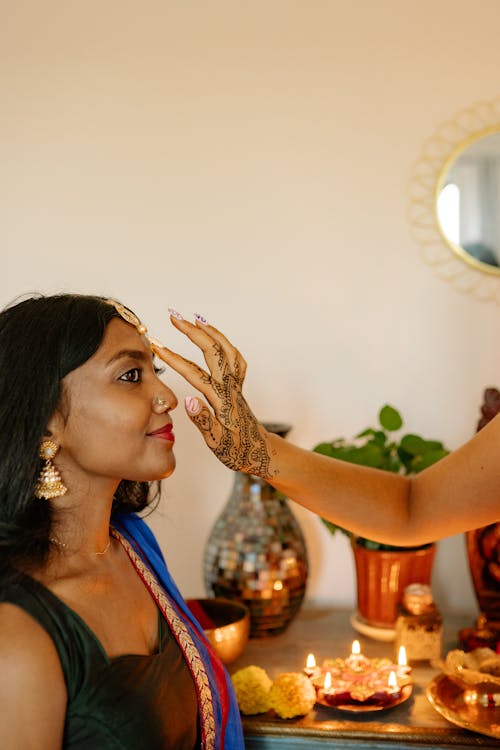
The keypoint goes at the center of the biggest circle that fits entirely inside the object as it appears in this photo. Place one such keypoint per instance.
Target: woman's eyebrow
(136, 354)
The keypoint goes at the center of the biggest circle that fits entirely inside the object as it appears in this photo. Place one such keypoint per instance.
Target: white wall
(251, 161)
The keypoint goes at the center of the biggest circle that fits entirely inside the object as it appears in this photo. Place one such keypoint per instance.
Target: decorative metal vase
(483, 551)
(256, 553)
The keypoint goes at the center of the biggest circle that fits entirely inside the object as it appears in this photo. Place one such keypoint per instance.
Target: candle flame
(392, 681)
(311, 661)
(402, 660)
(328, 681)
(355, 648)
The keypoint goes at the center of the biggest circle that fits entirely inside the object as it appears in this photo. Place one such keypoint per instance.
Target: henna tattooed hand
(230, 428)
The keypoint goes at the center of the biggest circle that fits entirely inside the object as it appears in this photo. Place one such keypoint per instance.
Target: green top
(129, 702)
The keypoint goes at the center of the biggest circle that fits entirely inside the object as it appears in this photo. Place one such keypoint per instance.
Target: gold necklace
(63, 545)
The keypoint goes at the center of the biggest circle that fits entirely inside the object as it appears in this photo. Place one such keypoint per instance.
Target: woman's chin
(169, 470)
(154, 475)
(168, 473)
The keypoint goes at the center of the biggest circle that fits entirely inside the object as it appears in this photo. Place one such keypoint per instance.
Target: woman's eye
(159, 370)
(132, 376)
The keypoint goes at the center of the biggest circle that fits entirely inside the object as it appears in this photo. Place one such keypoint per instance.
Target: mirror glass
(468, 201)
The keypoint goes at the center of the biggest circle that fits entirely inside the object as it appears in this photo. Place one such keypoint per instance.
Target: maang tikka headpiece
(130, 317)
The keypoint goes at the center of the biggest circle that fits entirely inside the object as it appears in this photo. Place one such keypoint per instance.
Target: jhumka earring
(49, 482)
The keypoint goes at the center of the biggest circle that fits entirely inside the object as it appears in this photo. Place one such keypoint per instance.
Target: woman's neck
(81, 521)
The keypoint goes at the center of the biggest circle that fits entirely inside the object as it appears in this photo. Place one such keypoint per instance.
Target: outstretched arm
(460, 492)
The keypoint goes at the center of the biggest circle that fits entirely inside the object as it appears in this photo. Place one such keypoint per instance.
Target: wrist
(271, 443)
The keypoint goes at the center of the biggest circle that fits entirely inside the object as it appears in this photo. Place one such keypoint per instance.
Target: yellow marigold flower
(252, 685)
(292, 694)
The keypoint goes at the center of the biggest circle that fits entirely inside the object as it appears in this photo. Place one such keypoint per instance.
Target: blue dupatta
(218, 709)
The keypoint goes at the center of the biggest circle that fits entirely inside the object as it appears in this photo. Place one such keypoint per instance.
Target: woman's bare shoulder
(24, 642)
(32, 688)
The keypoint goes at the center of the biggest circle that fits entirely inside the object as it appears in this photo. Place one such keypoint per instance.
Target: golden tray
(454, 703)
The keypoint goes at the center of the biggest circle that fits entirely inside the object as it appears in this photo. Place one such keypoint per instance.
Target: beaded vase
(256, 554)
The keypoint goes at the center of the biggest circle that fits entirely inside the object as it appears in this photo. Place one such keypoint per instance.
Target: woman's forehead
(120, 340)
(118, 335)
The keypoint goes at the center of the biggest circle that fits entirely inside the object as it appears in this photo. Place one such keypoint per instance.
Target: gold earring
(49, 483)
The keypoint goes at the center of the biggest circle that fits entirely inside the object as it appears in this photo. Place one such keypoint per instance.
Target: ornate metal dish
(458, 706)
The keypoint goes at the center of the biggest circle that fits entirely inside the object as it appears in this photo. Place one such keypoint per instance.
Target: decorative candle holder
(360, 683)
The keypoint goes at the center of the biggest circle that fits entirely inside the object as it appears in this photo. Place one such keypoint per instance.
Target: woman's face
(110, 413)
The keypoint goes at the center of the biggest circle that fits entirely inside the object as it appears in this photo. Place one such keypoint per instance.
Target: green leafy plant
(380, 449)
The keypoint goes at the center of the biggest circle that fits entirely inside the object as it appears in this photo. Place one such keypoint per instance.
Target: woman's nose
(164, 401)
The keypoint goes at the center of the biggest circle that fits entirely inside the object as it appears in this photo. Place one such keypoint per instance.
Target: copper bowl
(226, 624)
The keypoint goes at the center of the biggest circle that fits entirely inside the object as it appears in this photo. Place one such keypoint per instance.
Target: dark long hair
(42, 339)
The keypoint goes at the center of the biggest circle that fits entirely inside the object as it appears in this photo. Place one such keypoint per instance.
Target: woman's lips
(165, 433)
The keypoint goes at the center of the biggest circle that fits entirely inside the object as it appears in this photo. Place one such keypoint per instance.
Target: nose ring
(157, 401)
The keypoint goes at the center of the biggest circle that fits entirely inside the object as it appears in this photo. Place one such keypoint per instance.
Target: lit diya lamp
(360, 681)
(403, 667)
(357, 661)
(311, 668)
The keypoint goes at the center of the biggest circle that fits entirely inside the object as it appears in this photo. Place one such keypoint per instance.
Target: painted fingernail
(201, 319)
(155, 342)
(175, 314)
(193, 405)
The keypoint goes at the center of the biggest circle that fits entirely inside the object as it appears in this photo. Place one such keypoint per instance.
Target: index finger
(217, 350)
(192, 372)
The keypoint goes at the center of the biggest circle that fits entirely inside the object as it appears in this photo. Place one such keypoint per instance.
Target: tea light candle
(356, 660)
(403, 668)
(355, 657)
(327, 684)
(310, 667)
(392, 683)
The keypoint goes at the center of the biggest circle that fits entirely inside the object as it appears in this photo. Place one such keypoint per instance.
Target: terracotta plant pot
(382, 577)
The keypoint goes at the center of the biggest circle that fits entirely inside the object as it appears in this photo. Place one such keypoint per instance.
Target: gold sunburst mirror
(455, 201)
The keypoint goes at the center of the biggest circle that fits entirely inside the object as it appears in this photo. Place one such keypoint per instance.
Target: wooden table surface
(328, 633)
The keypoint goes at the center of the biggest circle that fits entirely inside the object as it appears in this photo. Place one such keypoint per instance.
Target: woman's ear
(55, 427)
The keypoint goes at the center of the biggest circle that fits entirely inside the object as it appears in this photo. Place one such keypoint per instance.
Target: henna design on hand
(241, 445)
(231, 430)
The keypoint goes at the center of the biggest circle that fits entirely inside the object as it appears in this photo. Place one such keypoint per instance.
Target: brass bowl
(231, 625)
